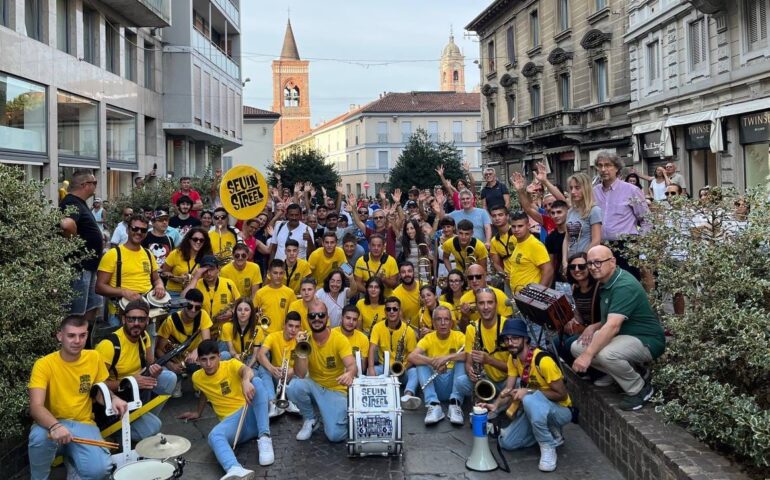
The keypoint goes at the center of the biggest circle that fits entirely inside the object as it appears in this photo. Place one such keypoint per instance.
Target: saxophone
(398, 368)
(484, 389)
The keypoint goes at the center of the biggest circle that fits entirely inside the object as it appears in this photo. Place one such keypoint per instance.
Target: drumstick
(95, 443)
(240, 425)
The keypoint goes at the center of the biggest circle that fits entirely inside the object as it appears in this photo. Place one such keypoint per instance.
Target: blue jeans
(255, 425)
(149, 424)
(464, 387)
(85, 298)
(332, 405)
(531, 426)
(267, 381)
(411, 377)
(91, 463)
(224, 352)
(444, 387)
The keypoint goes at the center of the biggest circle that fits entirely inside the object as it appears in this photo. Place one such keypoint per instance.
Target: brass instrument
(398, 368)
(484, 389)
(470, 257)
(281, 401)
(303, 348)
(442, 282)
(436, 374)
(262, 319)
(245, 353)
(472, 306)
(424, 265)
(513, 408)
(374, 322)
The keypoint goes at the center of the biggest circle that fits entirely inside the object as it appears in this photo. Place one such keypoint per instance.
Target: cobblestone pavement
(434, 452)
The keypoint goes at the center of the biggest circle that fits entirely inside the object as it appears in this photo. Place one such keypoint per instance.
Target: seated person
(279, 345)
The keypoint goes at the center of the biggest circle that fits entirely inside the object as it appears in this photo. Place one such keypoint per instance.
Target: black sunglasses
(136, 319)
(219, 217)
(474, 277)
(314, 315)
(192, 307)
(668, 194)
(578, 266)
(392, 309)
(139, 229)
(198, 239)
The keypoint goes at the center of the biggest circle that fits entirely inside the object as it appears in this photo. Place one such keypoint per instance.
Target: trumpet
(424, 265)
(470, 257)
(398, 367)
(436, 374)
(484, 389)
(281, 402)
(303, 348)
(262, 319)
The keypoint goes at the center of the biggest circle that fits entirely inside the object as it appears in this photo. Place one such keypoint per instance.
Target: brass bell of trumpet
(470, 258)
(303, 348)
(485, 390)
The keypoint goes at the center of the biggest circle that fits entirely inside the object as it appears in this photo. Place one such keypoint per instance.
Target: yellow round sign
(243, 192)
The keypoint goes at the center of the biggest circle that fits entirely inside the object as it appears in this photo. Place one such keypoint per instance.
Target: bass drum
(374, 417)
(146, 470)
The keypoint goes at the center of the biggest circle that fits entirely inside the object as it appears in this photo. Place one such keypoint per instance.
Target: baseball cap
(209, 261)
(411, 203)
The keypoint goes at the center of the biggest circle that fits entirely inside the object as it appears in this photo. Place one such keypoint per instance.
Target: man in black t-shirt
(82, 187)
(554, 243)
(183, 221)
(494, 192)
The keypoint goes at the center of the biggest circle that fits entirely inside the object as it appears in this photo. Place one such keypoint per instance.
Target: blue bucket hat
(514, 327)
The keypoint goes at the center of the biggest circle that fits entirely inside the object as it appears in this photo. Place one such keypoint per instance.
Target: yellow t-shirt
(325, 363)
(168, 330)
(322, 265)
(410, 301)
(68, 384)
(222, 244)
(489, 342)
(274, 303)
(232, 335)
(550, 373)
(370, 314)
(243, 279)
(526, 261)
(461, 257)
(427, 315)
(179, 266)
(275, 344)
(366, 269)
(295, 275)
(129, 362)
(456, 300)
(504, 310)
(299, 306)
(387, 339)
(358, 342)
(135, 271)
(223, 389)
(217, 297)
(503, 245)
(436, 347)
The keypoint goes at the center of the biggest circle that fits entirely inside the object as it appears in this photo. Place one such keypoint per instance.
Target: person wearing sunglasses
(323, 377)
(125, 352)
(476, 276)
(246, 275)
(223, 236)
(629, 335)
(129, 270)
(183, 260)
(585, 296)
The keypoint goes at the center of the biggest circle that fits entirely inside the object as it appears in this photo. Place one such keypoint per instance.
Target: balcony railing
(557, 121)
(503, 136)
(230, 10)
(204, 46)
(144, 13)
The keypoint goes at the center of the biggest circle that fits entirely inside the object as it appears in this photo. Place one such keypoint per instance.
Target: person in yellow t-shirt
(430, 301)
(223, 236)
(372, 306)
(295, 268)
(242, 334)
(245, 274)
(60, 405)
(275, 298)
(349, 327)
(177, 328)
(456, 286)
(325, 260)
(440, 352)
(477, 279)
(230, 386)
(542, 397)
(307, 296)
(377, 263)
(462, 246)
(503, 242)
(127, 352)
(408, 292)
(219, 295)
(183, 260)
(323, 378)
(531, 262)
(280, 346)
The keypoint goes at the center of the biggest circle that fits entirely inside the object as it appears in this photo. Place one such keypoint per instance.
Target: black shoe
(635, 402)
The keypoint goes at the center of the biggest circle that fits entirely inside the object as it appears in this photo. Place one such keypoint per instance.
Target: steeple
(452, 68)
(289, 50)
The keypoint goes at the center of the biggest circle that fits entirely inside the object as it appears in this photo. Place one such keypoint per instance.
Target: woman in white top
(584, 219)
(336, 294)
(658, 183)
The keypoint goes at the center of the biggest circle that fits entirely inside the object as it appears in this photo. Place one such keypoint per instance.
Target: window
(563, 14)
(382, 132)
(206, 94)
(491, 56)
(358, 164)
(121, 135)
(510, 103)
(564, 91)
(77, 121)
(356, 137)
(291, 96)
(653, 62)
(433, 131)
(4, 11)
(492, 115)
(90, 36)
(23, 116)
(112, 47)
(150, 136)
(382, 160)
(406, 131)
(33, 18)
(455, 76)
(130, 56)
(600, 4)
(196, 94)
(149, 66)
(510, 45)
(755, 12)
(457, 131)
(534, 29)
(478, 130)
(756, 164)
(600, 80)
(62, 25)
(534, 100)
(697, 39)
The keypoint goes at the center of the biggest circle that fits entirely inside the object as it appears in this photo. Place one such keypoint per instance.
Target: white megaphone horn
(481, 459)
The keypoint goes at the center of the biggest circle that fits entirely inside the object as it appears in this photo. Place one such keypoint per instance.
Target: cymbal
(162, 446)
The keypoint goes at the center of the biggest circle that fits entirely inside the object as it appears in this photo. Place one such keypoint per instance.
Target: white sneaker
(273, 411)
(435, 414)
(547, 458)
(456, 415)
(177, 390)
(557, 436)
(410, 402)
(307, 430)
(292, 408)
(237, 472)
(604, 381)
(265, 446)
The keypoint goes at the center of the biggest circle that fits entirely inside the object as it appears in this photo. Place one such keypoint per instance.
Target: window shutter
(756, 20)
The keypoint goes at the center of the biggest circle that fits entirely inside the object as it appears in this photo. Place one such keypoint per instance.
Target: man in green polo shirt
(629, 334)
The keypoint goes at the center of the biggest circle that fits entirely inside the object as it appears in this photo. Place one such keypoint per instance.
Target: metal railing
(206, 48)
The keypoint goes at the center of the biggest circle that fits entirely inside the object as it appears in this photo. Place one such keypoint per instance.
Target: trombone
(424, 265)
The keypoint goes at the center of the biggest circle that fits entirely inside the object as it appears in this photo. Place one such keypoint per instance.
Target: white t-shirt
(282, 232)
(658, 190)
(334, 307)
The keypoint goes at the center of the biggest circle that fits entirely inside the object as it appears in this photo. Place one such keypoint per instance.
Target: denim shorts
(84, 297)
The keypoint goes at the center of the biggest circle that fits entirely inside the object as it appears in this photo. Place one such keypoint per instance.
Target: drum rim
(133, 465)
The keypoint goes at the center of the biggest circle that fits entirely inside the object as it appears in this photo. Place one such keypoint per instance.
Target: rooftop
(254, 112)
(425, 102)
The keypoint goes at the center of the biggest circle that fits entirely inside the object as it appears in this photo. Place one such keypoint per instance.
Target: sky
(357, 49)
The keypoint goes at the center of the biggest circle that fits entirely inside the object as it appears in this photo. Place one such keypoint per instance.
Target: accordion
(544, 306)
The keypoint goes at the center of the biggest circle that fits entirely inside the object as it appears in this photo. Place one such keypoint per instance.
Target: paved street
(436, 452)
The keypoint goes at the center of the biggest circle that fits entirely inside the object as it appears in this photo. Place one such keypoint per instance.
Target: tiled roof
(254, 112)
(425, 102)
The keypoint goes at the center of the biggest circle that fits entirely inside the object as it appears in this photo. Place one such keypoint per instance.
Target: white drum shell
(145, 470)
(374, 416)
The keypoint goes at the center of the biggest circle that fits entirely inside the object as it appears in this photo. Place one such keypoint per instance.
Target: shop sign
(755, 127)
(697, 136)
(652, 147)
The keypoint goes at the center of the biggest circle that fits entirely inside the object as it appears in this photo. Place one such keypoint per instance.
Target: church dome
(451, 49)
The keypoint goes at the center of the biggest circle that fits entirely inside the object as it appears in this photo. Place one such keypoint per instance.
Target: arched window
(456, 76)
(291, 97)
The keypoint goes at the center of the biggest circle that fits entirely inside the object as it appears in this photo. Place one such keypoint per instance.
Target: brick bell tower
(291, 92)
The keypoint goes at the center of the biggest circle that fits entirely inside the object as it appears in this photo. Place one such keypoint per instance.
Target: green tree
(416, 166)
(35, 273)
(304, 165)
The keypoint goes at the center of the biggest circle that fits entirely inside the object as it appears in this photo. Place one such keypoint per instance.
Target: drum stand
(127, 455)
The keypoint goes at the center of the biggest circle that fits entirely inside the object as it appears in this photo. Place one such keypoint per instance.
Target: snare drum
(374, 417)
(147, 470)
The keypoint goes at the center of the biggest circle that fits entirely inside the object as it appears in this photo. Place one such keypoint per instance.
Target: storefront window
(757, 161)
(78, 126)
(121, 136)
(703, 169)
(23, 121)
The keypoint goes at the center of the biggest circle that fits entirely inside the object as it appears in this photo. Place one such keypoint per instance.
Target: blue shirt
(478, 217)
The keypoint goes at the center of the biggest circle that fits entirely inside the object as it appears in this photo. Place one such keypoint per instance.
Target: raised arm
(519, 184)
(542, 176)
(446, 183)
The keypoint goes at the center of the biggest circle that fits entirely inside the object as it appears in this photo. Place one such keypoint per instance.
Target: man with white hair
(494, 192)
(482, 222)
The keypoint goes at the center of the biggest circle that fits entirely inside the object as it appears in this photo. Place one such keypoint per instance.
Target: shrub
(35, 273)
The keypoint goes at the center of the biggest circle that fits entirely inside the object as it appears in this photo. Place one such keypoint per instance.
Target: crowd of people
(428, 277)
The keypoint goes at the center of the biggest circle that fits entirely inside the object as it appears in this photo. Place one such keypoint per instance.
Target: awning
(80, 165)
(13, 161)
(648, 127)
(743, 107)
(133, 169)
(698, 117)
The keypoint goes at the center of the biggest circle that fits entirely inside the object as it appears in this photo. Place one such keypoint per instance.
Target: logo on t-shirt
(330, 362)
(223, 298)
(519, 256)
(224, 386)
(283, 303)
(247, 283)
(146, 267)
(85, 384)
